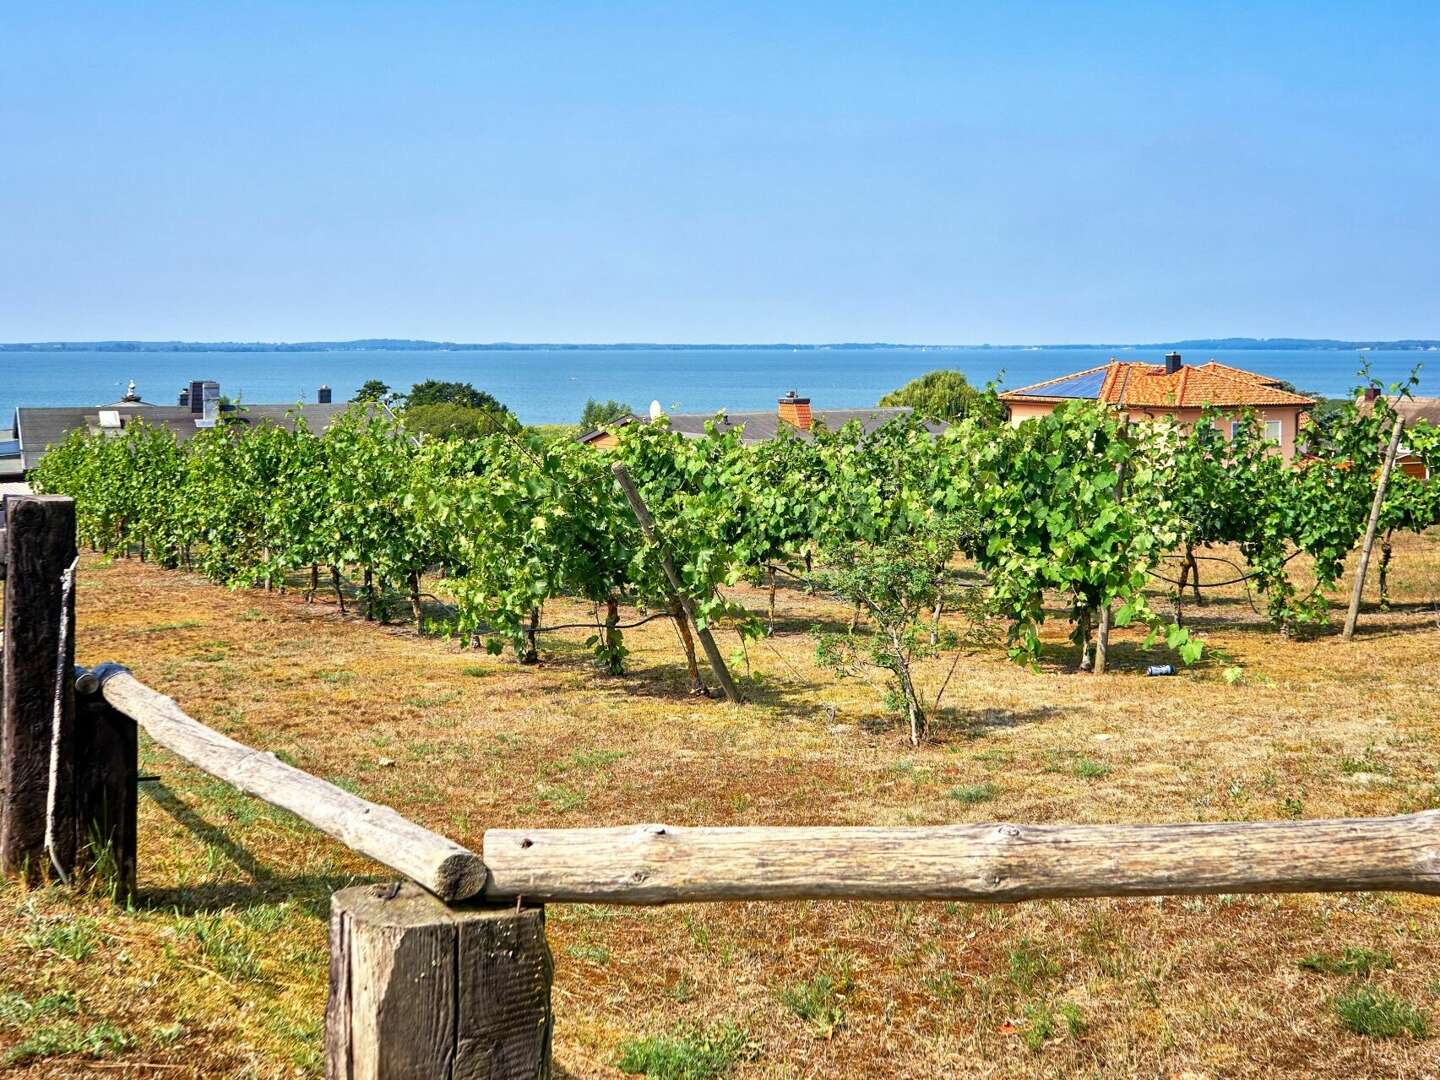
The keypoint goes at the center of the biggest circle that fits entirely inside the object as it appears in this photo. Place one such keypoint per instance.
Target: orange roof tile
(1134, 384)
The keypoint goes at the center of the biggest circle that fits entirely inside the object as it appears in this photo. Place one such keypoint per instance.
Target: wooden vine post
(647, 526)
(419, 989)
(67, 764)
(39, 624)
(1363, 568)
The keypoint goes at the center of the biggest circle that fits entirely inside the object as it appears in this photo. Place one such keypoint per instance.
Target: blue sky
(948, 173)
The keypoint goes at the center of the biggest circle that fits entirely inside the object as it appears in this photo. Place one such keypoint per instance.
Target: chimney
(1172, 363)
(1371, 393)
(324, 396)
(795, 411)
(184, 397)
(200, 391)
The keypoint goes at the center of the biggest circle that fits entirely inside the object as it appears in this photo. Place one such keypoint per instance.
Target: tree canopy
(439, 392)
(374, 390)
(946, 395)
(597, 414)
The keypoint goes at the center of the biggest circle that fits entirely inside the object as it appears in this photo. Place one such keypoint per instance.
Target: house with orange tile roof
(1172, 389)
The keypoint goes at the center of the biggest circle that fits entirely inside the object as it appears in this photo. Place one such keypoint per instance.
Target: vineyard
(955, 580)
(476, 535)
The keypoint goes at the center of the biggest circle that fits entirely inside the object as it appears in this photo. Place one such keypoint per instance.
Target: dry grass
(220, 969)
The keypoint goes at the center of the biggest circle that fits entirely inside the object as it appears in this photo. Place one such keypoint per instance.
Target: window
(1236, 426)
(1272, 431)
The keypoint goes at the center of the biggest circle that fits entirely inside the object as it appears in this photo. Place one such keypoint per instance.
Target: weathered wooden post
(37, 731)
(419, 989)
(107, 768)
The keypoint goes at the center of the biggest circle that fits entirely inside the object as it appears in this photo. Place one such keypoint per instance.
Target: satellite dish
(656, 411)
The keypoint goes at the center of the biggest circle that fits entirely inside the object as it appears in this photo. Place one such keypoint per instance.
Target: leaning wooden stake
(442, 866)
(1364, 567)
(707, 640)
(418, 989)
(1002, 862)
(40, 552)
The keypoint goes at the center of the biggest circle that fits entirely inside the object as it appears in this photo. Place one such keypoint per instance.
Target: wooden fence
(448, 974)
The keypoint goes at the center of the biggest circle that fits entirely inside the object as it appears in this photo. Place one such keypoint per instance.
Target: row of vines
(903, 523)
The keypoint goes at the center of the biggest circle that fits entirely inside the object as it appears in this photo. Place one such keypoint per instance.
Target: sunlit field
(220, 968)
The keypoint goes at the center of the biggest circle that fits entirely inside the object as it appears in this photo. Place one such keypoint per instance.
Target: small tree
(597, 414)
(894, 583)
(436, 392)
(946, 395)
(374, 390)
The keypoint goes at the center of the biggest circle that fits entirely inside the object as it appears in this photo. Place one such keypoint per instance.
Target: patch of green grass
(165, 627)
(560, 798)
(1039, 1026)
(1028, 964)
(70, 939)
(595, 954)
(1089, 769)
(942, 986)
(433, 701)
(1367, 762)
(17, 1011)
(691, 1054)
(167, 1034)
(1074, 1020)
(476, 671)
(266, 918)
(1351, 960)
(1369, 1011)
(224, 944)
(67, 1038)
(1042, 1023)
(974, 793)
(336, 678)
(820, 1001)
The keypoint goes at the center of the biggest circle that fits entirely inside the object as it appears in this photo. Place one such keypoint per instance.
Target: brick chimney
(1371, 393)
(795, 411)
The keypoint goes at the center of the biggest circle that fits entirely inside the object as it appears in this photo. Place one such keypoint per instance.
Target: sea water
(550, 386)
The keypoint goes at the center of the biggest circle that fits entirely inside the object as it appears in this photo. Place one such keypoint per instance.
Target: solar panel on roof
(9, 447)
(1086, 385)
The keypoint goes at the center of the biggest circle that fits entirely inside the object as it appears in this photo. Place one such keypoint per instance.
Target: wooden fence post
(39, 624)
(419, 989)
(107, 768)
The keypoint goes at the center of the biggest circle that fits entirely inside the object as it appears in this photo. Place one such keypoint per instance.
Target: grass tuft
(974, 793)
(1380, 1015)
(691, 1054)
(820, 1001)
(68, 1038)
(68, 938)
(1350, 960)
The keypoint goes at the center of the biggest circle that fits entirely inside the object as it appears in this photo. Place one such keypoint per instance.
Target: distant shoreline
(401, 345)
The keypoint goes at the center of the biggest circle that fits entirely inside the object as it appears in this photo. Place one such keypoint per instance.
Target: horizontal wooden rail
(659, 864)
(429, 859)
